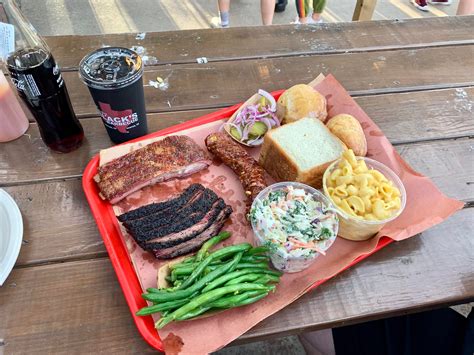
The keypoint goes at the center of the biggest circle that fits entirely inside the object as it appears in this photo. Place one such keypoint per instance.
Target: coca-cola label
(37, 82)
(121, 120)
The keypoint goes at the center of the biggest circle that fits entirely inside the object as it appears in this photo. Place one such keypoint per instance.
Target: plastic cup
(13, 122)
(356, 228)
(114, 78)
(282, 260)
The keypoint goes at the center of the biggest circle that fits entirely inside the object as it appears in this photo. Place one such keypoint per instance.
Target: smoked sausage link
(251, 175)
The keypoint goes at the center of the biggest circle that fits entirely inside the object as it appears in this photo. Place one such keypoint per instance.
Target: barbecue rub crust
(169, 158)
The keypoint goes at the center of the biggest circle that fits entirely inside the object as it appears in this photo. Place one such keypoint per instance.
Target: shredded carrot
(309, 245)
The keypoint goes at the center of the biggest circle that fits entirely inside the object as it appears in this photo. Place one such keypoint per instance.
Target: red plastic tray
(113, 241)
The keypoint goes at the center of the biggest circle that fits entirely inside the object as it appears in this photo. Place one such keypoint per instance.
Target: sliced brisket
(195, 243)
(200, 202)
(179, 235)
(174, 202)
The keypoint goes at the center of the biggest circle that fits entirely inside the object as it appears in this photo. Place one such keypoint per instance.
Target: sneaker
(216, 23)
(296, 21)
(420, 5)
(310, 20)
(440, 2)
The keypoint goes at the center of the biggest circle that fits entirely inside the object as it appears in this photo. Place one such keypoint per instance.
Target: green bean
(250, 277)
(230, 250)
(254, 258)
(188, 260)
(257, 250)
(163, 296)
(266, 279)
(210, 243)
(244, 299)
(189, 268)
(197, 312)
(251, 300)
(224, 278)
(161, 307)
(174, 275)
(184, 270)
(252, 265)
(206, 298)
(229, 301)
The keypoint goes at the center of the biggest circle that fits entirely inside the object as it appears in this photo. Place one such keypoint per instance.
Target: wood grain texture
(258, 42)
(198, 86)
(420, 271)
(59, 225)
(89, 313)
(57, 221)
(426, 115)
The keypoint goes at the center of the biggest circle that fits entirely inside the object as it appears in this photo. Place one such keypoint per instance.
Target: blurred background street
(81, 17)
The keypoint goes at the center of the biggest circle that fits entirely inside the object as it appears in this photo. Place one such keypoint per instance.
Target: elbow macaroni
(362, 192)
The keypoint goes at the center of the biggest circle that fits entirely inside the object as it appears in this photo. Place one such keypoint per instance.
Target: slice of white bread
(300, 151)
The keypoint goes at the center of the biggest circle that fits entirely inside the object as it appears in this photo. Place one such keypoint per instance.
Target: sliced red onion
(245, 133)
(236, 127)
(267, 123)
(270, 98)
(256, 141)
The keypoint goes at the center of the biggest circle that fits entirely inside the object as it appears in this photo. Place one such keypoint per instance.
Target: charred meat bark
(180, 235)
(251, 175)
(172, 203)
(201, 201)
(178, 225)
(196, 242)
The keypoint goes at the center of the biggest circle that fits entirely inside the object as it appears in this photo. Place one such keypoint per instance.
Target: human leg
(267, 8)
(318, 8)
(223, 20)
(465, 7)
(302, 8)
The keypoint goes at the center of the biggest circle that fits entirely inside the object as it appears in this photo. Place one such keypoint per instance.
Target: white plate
(11, 234)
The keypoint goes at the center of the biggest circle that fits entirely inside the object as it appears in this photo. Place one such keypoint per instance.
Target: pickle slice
(258, 129)
(235, 133)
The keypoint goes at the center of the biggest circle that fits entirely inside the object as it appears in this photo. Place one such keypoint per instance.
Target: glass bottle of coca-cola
(38, 80)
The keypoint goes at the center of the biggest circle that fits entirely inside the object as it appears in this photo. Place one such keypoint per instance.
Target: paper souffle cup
(356, 228)
(282, 261)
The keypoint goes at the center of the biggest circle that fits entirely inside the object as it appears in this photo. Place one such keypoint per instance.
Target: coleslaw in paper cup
(296, 222)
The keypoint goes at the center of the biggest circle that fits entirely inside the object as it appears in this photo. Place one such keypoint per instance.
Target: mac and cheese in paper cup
(366, 193)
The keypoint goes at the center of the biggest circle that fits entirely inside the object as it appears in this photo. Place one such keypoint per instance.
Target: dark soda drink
(40, 85)
(114, 78)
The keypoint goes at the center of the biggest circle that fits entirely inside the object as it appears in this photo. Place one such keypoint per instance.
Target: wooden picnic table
(414, 78)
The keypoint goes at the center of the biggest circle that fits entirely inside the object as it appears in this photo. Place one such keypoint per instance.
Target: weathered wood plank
(259, 42)
(220, 84)
(78, 306)
(426, 115)
(405, 277)
(58, 224)
(65, 229)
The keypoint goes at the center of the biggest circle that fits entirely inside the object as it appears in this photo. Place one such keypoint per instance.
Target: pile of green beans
(224, 278)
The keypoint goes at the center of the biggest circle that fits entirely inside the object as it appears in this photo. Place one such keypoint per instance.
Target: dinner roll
(301, 101)
(350, 132)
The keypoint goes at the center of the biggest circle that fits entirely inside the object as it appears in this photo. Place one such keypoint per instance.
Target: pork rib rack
(169, 158)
